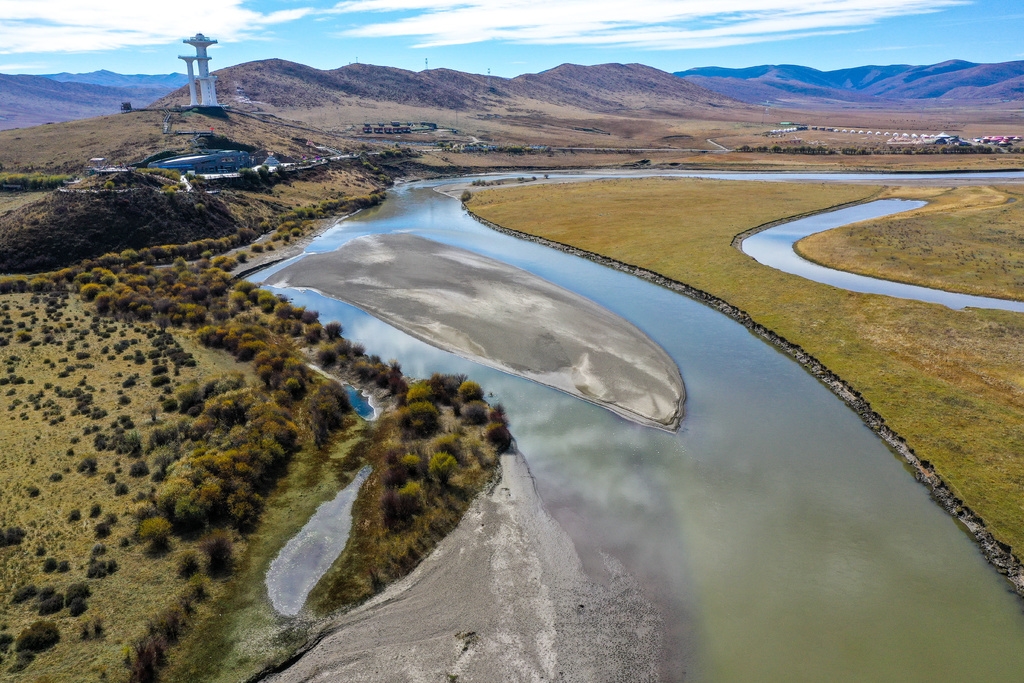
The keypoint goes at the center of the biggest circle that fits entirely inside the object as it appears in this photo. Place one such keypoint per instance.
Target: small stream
(777, 535)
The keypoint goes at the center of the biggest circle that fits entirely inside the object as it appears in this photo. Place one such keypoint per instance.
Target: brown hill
(603, 105)
(66, 226)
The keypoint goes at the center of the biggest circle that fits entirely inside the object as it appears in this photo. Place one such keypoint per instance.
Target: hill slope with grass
(127, 211)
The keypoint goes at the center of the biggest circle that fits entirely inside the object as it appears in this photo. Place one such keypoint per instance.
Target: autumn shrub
(328, 405)
(421, 391)
(470, 391)
(442, 466)
(156, 531)
(420, 418)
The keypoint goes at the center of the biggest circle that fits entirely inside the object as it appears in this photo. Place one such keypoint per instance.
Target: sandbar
(498, 315)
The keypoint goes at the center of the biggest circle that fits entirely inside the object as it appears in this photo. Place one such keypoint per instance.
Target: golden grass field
(968, 239)
(42, 442)
(950, 382)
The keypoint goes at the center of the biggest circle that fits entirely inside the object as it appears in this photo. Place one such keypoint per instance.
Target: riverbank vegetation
(947, 381)
(968, 239)
(153, 412)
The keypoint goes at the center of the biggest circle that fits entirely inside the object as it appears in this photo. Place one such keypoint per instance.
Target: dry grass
(34, 452)
(949, 381)
(966, 240)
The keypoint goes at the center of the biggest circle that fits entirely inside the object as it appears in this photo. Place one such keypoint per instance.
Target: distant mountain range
(33, 100)
(950, 81)
(601, 88)
(164, 83)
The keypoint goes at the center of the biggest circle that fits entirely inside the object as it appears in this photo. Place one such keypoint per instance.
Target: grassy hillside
(947, 381)
(125, 211)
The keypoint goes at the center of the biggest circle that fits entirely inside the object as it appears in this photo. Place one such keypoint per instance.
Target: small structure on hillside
(212, 162)
(207, 87)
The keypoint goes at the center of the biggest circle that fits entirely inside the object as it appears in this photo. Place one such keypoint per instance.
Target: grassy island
(968, 239)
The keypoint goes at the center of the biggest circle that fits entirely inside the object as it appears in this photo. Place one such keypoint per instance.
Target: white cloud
(76, 26)
(9, 68)
(652, 24)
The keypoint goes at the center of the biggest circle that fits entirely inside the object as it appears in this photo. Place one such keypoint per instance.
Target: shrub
(13, 536)
(395, 477)
(24, 593)
(159, 381)
(420, 418)
(218, 548)
(121, 489)
(40, 636)
(139, 468)
(470, 391)
(188, 564)
(95, 510)
(421, 391)
(77, 606)
(442, 466)
(78, 590)
(475, 413)
(332, 329)
(327, 408)
(87, 466)
(50, 565)
(499, 436)
(327, 356)
(102, 530)
(51, 605)
(156, 531)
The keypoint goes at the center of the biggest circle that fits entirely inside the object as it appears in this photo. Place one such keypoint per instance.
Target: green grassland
(950, 382)
(968, 239)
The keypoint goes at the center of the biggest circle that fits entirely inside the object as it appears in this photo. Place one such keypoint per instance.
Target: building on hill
(213, 161)
(207, 84)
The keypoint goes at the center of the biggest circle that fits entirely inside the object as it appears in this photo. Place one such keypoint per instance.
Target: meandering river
(781, 540)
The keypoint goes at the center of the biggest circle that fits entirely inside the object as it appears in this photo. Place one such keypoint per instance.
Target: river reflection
(778, 536)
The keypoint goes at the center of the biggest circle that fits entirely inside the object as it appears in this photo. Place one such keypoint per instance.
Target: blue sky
(508, 36)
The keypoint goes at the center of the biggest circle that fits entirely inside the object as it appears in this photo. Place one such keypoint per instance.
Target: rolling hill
(951, 81)
(33, 100)
(602, 88)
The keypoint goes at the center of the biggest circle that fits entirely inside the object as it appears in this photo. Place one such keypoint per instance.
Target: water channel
(774, 247)
(780, 539)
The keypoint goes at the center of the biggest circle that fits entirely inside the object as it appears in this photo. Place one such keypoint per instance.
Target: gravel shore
(503, 598)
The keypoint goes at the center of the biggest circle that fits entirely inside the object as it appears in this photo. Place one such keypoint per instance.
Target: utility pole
(426, 63)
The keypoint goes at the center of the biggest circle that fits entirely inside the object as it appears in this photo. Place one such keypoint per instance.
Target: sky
(509, 37)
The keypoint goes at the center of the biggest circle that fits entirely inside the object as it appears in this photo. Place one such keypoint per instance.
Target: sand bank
(501, 316)
(502, 598)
